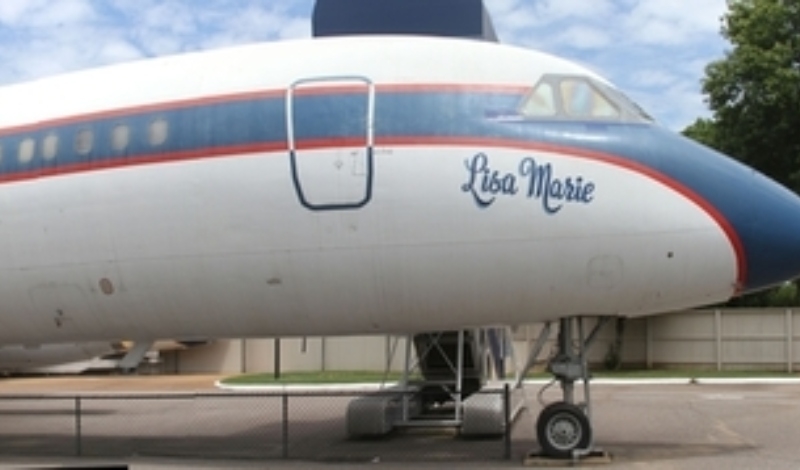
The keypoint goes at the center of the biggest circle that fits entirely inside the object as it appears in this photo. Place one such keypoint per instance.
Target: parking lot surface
(642, 425)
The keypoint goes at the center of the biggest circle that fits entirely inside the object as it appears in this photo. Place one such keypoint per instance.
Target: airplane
(360, 184)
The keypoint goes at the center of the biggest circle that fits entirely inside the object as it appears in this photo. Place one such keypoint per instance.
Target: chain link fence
(268, 426)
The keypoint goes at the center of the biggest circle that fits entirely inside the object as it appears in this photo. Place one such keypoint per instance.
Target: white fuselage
(217, 242)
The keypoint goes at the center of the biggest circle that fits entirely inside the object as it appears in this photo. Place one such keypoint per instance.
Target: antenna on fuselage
(451, 18)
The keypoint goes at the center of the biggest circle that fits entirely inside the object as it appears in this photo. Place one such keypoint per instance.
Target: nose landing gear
(564, 428)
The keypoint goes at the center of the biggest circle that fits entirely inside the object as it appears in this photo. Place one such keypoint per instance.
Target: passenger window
(1, 152)
(582, 100)
(84, 142)
(50, 147)
(120, 137)
(158, 132)
(27, 149)
(541, 102)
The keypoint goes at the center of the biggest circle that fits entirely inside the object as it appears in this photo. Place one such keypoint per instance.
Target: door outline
(369, 141)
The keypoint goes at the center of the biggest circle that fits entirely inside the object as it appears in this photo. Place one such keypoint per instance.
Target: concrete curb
(671, 381)
(300, 388)
(688, 381)
(749, 381)
(371, 387)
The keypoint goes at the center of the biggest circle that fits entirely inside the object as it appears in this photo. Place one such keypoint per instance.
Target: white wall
(710, 339)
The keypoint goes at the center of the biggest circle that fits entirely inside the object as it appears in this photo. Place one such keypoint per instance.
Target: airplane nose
(762, 217)
(770, 234)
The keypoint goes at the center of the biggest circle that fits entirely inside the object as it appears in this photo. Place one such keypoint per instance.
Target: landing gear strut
(564, 428)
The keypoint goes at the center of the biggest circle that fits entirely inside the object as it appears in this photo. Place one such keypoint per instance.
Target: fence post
(78, 437)
(789, 340)
(648, 339)
(323, 354)
(506, 422)
(718, 337)
(285, 424)
(243, 356)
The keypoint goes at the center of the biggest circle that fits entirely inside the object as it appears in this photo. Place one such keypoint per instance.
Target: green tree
(704, 131)
(754, 91)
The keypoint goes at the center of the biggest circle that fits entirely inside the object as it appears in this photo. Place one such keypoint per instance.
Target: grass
(288, 378)
(351, 377)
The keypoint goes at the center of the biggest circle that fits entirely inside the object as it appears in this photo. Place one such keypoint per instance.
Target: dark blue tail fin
(454, 18)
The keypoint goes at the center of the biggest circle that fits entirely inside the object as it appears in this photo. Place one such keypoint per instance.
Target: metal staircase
(444, 375)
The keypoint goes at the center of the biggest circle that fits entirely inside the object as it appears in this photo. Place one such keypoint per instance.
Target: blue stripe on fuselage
(452, 115)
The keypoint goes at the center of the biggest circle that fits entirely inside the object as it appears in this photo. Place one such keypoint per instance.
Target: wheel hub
(564, 431)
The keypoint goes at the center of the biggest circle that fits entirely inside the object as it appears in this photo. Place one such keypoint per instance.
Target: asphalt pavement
(643, 425)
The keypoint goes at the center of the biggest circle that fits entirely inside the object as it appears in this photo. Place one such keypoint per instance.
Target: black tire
(562, 428)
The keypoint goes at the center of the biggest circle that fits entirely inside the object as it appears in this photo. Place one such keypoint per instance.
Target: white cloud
(511, 19)
(44, 14)
(118, 51)
(584, 37)
(670, 22)
(172, 18)
(43, 37)
(653, 78)
(11, 11)
(60, 13)
(678, 103)
(552, 10)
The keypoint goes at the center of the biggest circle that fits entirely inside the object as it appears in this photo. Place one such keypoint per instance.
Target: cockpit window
(626, 102)
(541, 102)
(582, 100)
(579, 97)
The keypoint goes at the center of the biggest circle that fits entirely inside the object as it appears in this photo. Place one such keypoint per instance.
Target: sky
(654, 50)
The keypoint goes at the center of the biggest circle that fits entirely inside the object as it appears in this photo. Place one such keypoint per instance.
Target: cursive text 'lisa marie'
(533, 180)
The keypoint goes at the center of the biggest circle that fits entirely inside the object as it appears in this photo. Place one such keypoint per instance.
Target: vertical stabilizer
(452, 18)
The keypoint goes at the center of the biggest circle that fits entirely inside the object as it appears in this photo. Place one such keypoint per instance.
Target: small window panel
(120, 137)
(84, 142)
(158, 132)
(27, 149)
(50, 147)
(1, 153)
